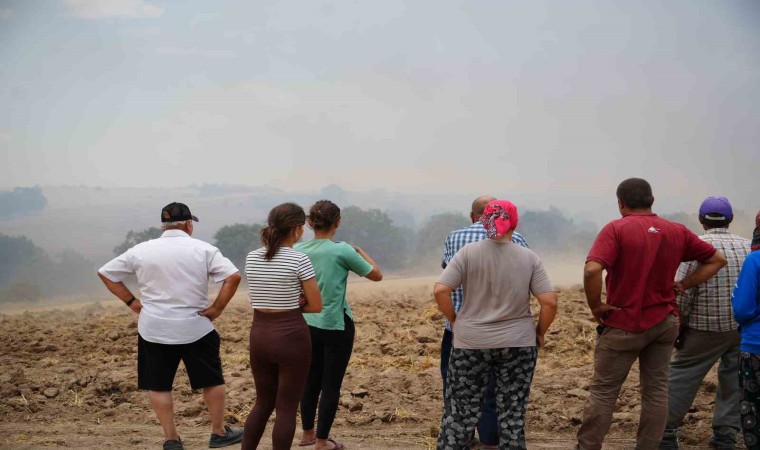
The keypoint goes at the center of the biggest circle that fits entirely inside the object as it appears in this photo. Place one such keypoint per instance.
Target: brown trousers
(280, 358)
(615, 352)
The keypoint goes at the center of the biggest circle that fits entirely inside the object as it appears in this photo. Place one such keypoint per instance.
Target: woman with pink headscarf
(494, 331)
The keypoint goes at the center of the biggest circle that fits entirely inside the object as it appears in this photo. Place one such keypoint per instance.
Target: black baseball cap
(176, 212)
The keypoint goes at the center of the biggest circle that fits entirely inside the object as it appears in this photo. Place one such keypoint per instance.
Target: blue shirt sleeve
(745, 296)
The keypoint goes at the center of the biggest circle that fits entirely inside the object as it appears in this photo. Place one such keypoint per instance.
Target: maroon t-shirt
(641, 253)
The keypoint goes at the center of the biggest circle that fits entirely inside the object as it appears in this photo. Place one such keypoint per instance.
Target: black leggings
(330, 352)
(280, 355)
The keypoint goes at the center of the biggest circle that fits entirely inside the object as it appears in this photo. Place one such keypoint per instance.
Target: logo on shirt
(653, 230)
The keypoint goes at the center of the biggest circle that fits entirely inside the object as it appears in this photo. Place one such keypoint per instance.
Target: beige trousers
(615, 352)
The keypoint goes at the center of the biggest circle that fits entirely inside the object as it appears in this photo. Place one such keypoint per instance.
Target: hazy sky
(437, 96)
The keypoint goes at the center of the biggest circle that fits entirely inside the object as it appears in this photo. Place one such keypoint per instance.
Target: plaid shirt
(458, 239)
(708, 306)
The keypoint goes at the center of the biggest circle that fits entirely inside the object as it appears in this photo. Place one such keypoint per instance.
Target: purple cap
(717, 207)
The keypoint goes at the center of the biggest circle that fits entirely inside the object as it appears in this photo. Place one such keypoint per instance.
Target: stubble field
(68, 378)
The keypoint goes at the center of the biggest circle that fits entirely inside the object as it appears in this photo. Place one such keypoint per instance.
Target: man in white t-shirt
(174, 320)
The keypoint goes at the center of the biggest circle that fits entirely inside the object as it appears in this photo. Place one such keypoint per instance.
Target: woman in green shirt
(332, 330)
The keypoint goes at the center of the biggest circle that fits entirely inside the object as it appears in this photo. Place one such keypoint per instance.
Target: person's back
(494, 334)
(332, 330)
(175, 319)
(499, 277)
(276, 283)
(162, 261)
(332, 262)
(708, 333)
(642, 252)
(710, 302)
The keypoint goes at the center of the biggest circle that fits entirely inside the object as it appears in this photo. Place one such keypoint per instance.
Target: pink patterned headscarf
(498, 218)
(756, 234)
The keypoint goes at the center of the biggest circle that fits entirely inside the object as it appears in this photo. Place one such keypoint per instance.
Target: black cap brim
(195, 219)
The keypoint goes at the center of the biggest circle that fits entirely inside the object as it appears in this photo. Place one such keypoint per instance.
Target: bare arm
(548, 303)
(376, 274)
(312, 296)
(705, 271)
(442, 295)
(122, 292)
(225, 295)
(592, 284)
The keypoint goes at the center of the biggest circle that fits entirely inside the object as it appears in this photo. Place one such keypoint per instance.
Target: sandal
(307, 443)
(338, 445)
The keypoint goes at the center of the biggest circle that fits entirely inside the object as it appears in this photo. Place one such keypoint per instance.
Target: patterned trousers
(749, 379)
(467, 380)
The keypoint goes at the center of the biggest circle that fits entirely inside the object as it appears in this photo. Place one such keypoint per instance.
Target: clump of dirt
(77, 368)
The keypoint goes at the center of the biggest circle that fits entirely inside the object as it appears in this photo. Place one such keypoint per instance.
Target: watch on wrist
(129, 302)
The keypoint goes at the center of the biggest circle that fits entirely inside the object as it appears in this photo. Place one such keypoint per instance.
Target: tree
(135, 237)
(21, 201)
(375, 233)
(236, 241)
(552, 231)
(430, 238)
(17, 254)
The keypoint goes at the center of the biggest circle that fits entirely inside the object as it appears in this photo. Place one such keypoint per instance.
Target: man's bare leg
(163, 404)
(214, 398)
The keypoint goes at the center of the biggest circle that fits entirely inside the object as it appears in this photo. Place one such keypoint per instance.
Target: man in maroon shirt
(641, 253)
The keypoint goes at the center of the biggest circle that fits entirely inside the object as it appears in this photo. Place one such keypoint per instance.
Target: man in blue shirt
(488, 429)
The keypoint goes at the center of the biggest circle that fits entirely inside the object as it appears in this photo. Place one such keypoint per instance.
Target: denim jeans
(488, 429)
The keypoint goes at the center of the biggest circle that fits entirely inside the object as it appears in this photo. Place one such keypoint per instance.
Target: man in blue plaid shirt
(488, 429)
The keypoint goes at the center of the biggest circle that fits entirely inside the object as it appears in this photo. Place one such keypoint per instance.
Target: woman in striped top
(281, 285)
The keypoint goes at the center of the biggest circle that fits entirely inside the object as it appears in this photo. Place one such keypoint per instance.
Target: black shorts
(157, 363)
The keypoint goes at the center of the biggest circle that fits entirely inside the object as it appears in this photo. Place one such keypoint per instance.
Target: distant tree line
(21, 201)
(399, 247)
(28, 273)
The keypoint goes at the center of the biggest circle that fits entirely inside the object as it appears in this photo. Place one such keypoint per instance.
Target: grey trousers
(689, 366)
(616, 350)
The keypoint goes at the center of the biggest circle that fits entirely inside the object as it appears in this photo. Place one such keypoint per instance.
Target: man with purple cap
(175, 320)
(709, 333)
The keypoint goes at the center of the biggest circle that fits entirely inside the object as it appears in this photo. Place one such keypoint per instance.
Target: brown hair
(280, 223)
(323, 215)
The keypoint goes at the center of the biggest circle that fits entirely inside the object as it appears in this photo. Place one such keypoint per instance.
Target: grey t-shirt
(498, 278)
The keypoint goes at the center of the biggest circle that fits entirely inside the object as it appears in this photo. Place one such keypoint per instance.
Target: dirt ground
(68, 378)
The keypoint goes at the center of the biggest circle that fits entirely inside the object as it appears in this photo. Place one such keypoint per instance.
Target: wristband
(129, 302)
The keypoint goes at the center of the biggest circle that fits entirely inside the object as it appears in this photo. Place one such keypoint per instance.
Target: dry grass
(238, 415)
(77, 401)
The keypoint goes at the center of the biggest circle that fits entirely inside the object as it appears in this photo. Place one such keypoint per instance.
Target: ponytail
(280, 223)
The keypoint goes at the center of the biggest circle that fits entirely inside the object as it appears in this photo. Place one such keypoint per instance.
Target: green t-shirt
(332, 261)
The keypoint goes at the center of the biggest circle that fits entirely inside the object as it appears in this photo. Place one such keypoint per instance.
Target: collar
(717, 231)
(174, 233)
(477, 224)
(640, 214)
